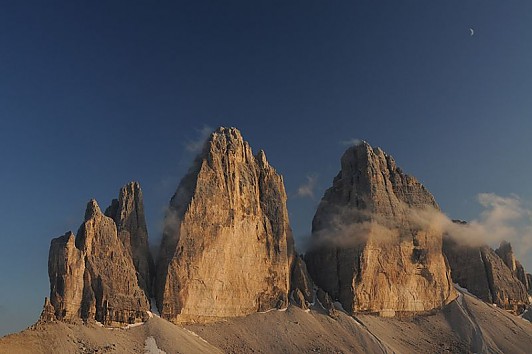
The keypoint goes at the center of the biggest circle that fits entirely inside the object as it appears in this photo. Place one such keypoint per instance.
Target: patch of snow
(153, 309)
(463, 290)
(274, 309)
(338, 306)
(150, 347)
(99, 324)
(195, 334)
(270, 310)
(314, 295)
(132, 325)
(524, 313)
(460, 299)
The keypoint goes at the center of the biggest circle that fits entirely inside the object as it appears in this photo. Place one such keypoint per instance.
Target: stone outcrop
(301, 284)
(487, 275)
(227, 244)
(326, 302)
(300, 279)
(299, 299)
(506, 253)
(367, 251)
(48, 312)
(92, 275)
(521, 275)
(128, 214)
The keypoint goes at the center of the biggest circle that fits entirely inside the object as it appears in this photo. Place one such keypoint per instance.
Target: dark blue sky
(94, 94)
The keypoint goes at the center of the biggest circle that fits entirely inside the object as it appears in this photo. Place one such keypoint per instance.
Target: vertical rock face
(468, 268)
(92, 276)
(227, 244)
(367, 251)
(128, 214)
(506, 253)
(66, 266)
(493, 276)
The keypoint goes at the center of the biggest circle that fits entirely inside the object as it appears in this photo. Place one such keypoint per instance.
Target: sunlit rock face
(227, 244)
(93, 275)
(493, 276)
(368, 250)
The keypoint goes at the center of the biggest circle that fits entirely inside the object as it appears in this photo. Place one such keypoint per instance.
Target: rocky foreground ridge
(227, 248)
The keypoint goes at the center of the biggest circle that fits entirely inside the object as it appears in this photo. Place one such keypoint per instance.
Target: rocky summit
(93, 274)
(368, 252)
(227, 244)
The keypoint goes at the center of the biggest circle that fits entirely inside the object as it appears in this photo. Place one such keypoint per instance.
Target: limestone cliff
(92, 275)
(367, 252)
(227, 243)
(128, 213)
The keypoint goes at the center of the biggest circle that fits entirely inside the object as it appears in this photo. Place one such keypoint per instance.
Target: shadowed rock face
(92, 276)
(492, 276)
(367, 252)
(506, 253)
(301, 281)
(227, 244)
(128, 213)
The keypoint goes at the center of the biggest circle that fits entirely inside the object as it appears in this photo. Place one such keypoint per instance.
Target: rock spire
(227, 244)
(93, 274)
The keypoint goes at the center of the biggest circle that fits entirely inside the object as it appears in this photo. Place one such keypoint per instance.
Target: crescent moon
(472, 31)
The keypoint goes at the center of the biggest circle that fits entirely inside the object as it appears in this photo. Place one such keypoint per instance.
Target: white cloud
(351, 142)
(306, 190)
(194, 146)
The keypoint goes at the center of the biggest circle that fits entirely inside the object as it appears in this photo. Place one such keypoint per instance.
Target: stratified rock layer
(488, 274)
(367, 252)
(227, 245)
(92, 276)
(128, 213)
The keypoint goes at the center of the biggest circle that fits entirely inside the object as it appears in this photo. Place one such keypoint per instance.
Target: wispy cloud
(306, 190)
(351, 142)
(195, 145)
(502, 219)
